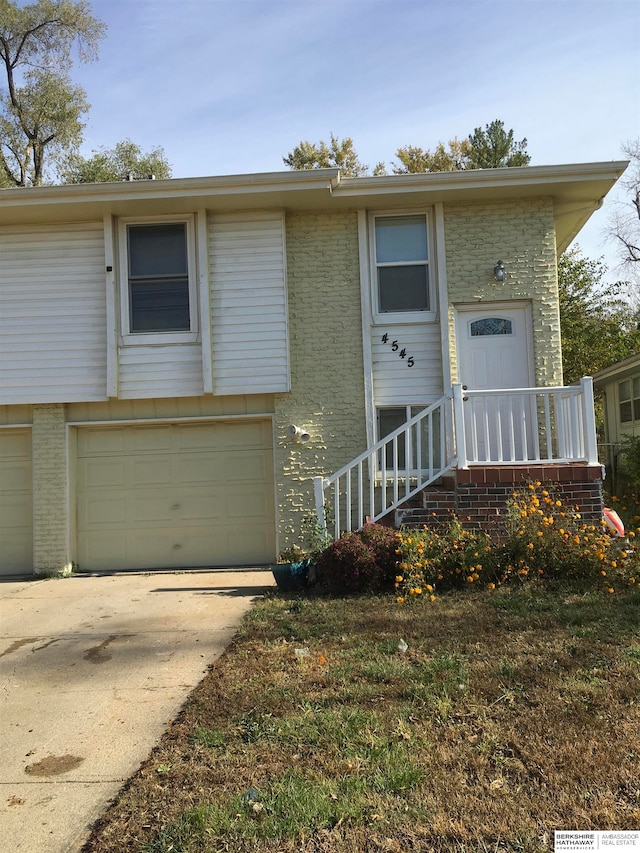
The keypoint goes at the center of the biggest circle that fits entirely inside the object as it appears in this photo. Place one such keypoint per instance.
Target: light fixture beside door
(499, 272)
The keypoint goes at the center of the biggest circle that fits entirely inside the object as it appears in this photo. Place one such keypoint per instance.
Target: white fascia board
(73, 201)
(194, 187)
(576, 190)
(620, 370)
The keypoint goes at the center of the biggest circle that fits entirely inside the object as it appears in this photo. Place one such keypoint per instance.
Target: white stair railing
(388, 473)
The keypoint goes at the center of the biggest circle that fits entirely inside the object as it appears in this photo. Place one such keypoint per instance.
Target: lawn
(511, 713)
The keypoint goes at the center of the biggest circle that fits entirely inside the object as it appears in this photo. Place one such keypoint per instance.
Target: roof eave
(619, 370)
(577, 190)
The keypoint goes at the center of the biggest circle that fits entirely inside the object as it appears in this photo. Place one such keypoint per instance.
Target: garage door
(16, 515)
(175, 496)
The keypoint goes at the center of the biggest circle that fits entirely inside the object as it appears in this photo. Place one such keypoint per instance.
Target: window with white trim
(158, 296)
(389, 418)
(401, 264)
(629, 400)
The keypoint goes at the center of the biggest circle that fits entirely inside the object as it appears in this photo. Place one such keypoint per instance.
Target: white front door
(494, 346)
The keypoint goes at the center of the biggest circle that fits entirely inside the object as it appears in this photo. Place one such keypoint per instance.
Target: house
(620, 386)
(184, 362)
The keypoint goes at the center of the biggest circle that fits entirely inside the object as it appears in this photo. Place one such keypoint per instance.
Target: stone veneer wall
(50, 491)
(520, 233)
(327, 372)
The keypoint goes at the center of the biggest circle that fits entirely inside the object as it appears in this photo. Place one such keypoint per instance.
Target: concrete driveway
(92, 670)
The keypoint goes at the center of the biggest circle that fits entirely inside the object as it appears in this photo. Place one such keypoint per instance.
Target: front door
(494, 346)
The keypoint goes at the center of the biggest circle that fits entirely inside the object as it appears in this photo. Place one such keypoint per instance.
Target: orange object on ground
(613, 521)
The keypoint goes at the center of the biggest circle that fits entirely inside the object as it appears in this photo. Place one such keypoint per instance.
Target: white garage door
(16, 515)
(175, 496)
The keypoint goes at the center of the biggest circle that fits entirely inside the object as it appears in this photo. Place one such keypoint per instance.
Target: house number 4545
(395, 346)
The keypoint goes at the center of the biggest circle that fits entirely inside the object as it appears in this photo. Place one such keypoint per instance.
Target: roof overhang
(577, 191)
(618, 371)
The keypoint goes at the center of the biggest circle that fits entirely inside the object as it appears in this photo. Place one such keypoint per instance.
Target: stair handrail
(375, 459)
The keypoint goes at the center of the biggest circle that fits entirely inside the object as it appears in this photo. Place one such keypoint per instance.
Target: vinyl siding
(174, 370)
(52, 314)
(248, 303)
(394, 382)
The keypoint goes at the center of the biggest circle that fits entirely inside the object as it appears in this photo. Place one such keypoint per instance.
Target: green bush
(629, 462)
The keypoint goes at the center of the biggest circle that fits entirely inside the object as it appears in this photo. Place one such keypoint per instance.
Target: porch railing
(515, 426)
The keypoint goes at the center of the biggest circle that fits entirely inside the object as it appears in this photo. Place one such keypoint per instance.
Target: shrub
(542, 539)
(629, 461)
(549, 539)
(628, 508)
(361, 561)
(452, 559)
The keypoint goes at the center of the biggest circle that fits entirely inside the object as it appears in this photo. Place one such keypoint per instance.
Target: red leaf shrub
(361, 561)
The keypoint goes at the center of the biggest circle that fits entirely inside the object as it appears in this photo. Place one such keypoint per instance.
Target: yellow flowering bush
(430, 560)
(628, 508)
(547, 538)
(543, 539)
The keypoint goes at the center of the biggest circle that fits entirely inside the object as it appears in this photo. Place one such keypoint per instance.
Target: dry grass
(510, 715)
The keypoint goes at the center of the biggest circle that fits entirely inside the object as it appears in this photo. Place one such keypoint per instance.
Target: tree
(491, 148)
(116, 164)
(338, 153)
(483, 149)
(41, 110)
(598, 325)
(494, 147)
(625, 225)
(441, 159)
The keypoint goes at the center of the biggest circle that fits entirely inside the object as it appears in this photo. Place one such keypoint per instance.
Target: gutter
(224, 185)
(513, 176)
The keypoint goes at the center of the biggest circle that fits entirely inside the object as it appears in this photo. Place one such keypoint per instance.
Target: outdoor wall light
(298, 434)
(499, 272)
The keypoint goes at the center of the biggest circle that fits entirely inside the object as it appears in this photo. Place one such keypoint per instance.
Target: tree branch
(634, 251)
(5, 168)
(30, 32)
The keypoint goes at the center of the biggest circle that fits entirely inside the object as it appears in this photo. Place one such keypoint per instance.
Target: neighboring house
(160, 341)
(620, 385)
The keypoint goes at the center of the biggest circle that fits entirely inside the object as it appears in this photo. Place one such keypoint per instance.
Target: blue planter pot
(291, 576)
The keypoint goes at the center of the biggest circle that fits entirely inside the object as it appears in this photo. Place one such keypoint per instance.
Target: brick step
(433, 505)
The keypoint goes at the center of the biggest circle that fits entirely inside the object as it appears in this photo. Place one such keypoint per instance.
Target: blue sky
(230, 86)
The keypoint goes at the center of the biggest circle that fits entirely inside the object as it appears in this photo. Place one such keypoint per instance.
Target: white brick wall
(327, 371)
(50, 504)
(522, 235)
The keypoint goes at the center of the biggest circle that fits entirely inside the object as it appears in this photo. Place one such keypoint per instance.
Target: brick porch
(478, 495)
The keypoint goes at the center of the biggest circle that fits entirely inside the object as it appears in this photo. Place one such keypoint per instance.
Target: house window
(629, 400)
(158, 273)
(389, 419)
(401, 263)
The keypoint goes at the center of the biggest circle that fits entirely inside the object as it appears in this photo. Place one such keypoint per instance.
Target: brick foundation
(478, 496)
